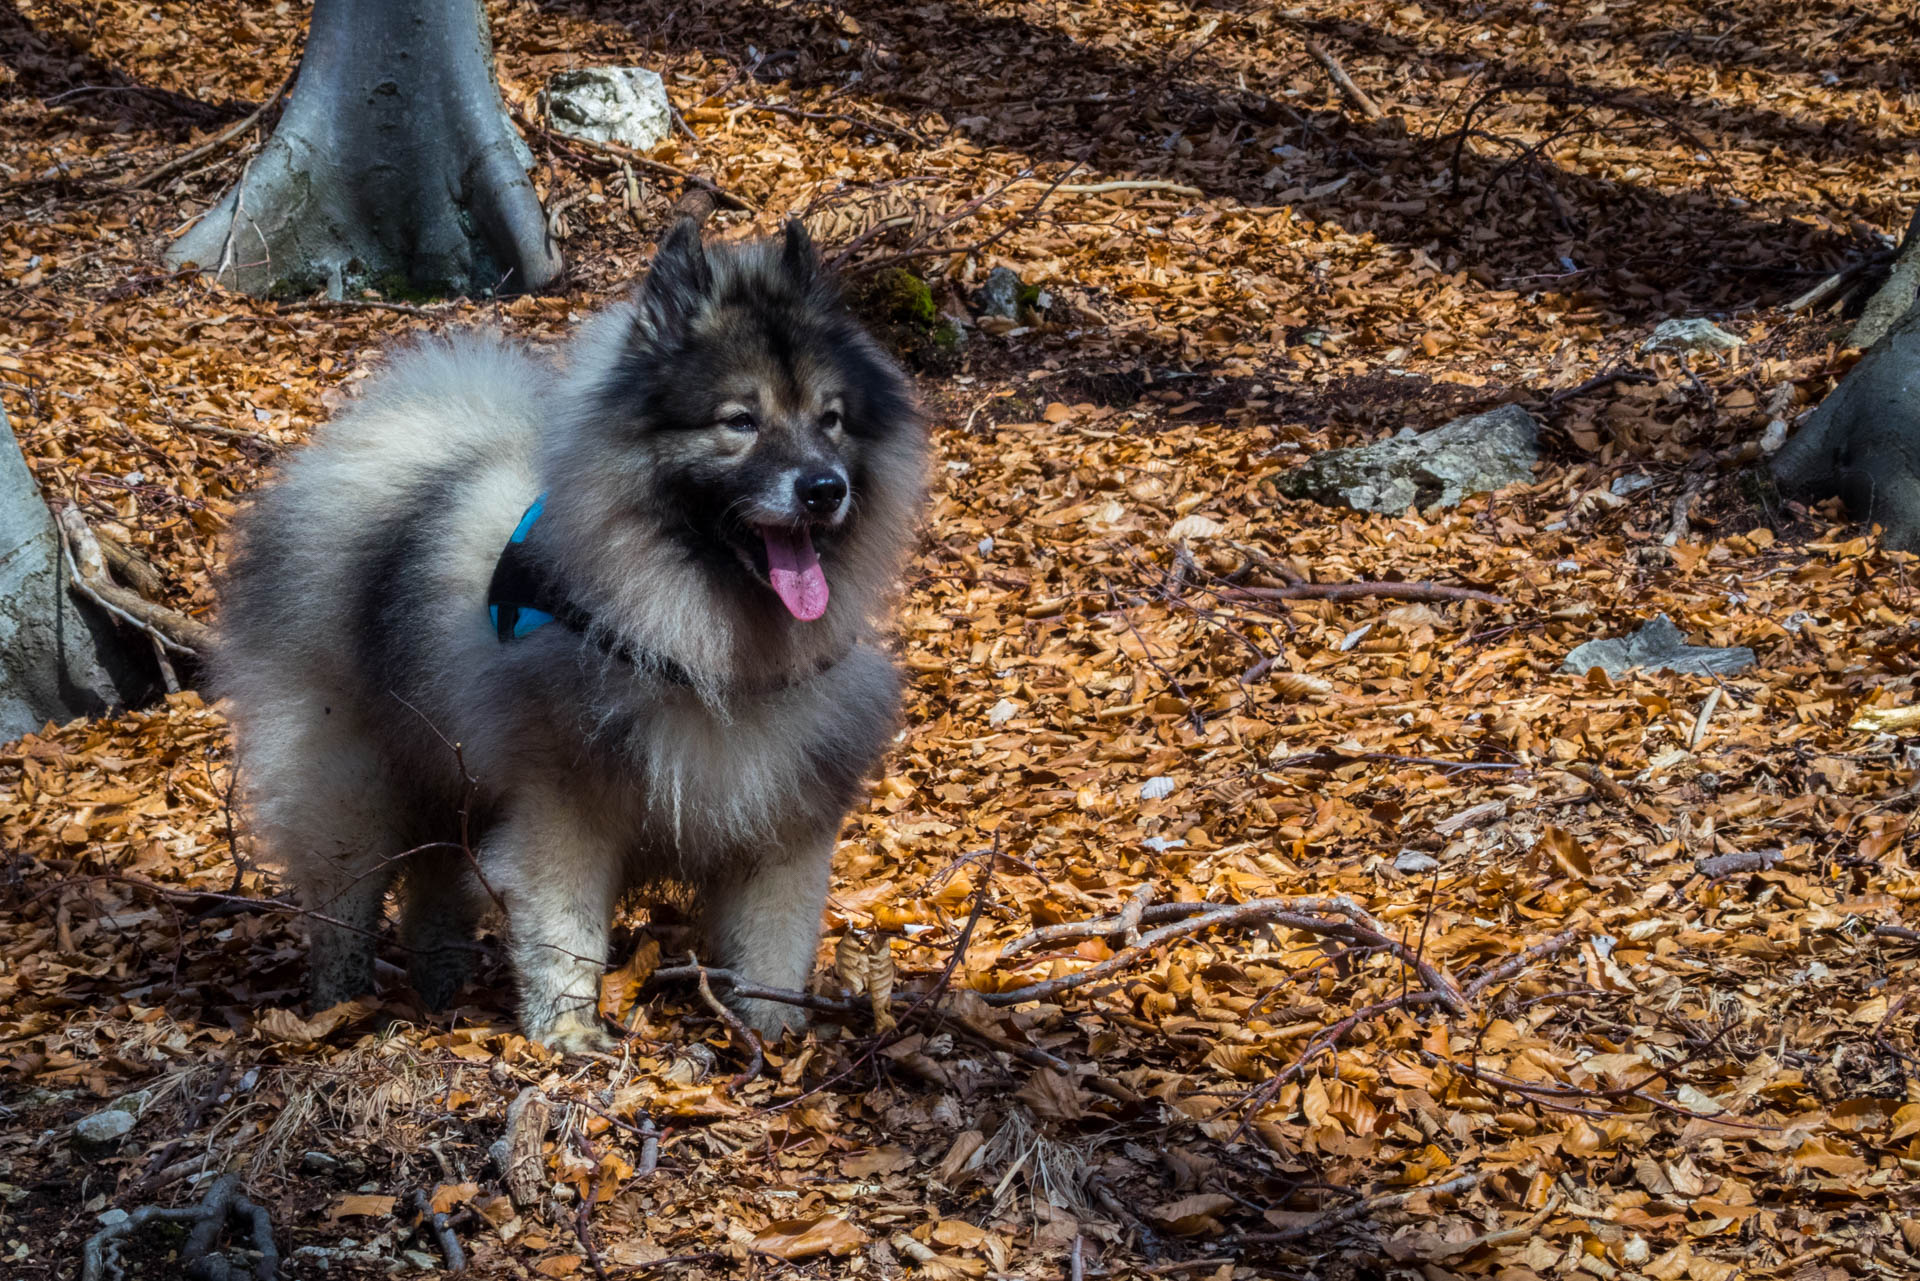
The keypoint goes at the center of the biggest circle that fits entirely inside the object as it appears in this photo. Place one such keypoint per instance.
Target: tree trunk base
(58, 657)
(395, 167)
(1863, 443)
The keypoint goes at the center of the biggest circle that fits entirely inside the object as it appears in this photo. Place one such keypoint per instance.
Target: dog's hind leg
(765, 925)
(327, 812)
(442, 904)
(560, 874)
(340, 877)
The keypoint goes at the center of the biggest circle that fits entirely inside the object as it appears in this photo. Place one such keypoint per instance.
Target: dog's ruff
(357, 647)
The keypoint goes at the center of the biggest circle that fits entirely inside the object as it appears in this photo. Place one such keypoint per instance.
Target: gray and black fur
(356, 647)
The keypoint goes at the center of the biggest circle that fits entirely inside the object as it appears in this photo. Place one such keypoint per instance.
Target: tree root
(87, 567)
(223, 1201)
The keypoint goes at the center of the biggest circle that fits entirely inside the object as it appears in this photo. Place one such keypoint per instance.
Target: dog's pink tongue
(795, 570)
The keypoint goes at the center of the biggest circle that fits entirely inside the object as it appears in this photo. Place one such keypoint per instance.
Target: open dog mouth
(785, 559)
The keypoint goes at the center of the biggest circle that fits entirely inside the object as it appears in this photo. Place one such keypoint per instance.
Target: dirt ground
(1534, 975)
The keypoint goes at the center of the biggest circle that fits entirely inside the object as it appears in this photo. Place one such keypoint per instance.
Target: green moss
(396, 286)
(899, 296)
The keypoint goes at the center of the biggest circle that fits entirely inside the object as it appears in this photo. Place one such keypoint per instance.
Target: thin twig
(214, 144)
(1361, 591)
(1553, 946)
(1369, 1207)
(1344, 82)
(741, 1032)
(1308, 914)
(362, 304)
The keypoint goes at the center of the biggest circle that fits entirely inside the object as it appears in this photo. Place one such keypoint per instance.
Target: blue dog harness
(523, 597)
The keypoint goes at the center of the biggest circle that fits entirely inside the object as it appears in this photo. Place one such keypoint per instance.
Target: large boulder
(625, 105)
(1473, 455)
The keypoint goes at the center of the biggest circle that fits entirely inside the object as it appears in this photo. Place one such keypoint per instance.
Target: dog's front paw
(771, 1019)
(576, 1034)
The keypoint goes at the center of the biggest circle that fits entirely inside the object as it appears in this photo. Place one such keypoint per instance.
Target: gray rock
(100, 1134)
(1631, 483)
(1657, 647)
(1414, 862)
(1473, 455)
(1690, 335)
(1000, 296)
(626, 105)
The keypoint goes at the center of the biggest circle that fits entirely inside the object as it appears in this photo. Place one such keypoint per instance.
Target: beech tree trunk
(1862, 444)
(59, 657)
(394, 166)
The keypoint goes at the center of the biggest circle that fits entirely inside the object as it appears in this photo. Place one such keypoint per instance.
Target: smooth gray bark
(394, 166)
(59, 658)
(1894, 298)
(1863, 441)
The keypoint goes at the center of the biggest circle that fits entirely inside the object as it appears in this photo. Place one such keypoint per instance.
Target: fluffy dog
(613, 614)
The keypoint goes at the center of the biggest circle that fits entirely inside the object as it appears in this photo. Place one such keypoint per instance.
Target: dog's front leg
(764, 924)
(559, 875)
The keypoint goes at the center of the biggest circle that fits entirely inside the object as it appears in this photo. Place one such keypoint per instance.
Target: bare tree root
(197, 1258)
(87, 568)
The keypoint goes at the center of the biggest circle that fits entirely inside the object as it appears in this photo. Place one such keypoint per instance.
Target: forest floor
(1570, 975)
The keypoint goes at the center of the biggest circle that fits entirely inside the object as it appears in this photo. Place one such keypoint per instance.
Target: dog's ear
(677, 285)
(798, 258)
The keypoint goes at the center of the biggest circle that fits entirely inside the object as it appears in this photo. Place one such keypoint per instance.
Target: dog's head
(757, 422)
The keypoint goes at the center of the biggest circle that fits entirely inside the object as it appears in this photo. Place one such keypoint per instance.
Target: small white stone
(1155, 788)
(1002, 712)
(1414, 862)
(624, 105)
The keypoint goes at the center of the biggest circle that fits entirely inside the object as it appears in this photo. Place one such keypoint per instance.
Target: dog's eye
(740, 421)
(830, 421)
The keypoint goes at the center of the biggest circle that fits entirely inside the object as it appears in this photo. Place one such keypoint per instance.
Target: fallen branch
(1344, 82)
(87, 568)
(1360, 591)
(1121, 184)
(1521, 960)
(1899, 932)
(1306, 914)
(1367, 1208)
(223, 1201)
(435, 1222)
(1598, 382)
(517, 1153)
(1721, 866)
(214, 144)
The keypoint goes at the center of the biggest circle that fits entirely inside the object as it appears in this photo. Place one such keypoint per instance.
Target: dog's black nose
(821, 492)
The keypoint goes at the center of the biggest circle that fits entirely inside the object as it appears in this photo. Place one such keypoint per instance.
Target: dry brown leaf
(804, 1238)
